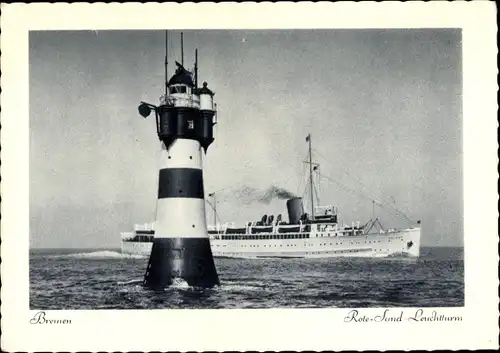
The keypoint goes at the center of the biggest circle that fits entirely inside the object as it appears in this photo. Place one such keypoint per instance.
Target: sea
(107, 279)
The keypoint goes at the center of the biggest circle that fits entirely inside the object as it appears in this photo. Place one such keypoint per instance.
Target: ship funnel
(295, 209)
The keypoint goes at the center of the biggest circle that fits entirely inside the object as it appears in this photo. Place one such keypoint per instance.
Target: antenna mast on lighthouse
(166, 61)
(196, 68)
(182, 49)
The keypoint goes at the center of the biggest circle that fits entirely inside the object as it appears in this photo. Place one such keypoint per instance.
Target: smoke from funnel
(249, 195)
(275, 192)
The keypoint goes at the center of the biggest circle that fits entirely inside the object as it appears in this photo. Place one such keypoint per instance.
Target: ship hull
(396, 243)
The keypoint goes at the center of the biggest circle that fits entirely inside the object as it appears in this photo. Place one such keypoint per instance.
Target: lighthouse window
(178, 89)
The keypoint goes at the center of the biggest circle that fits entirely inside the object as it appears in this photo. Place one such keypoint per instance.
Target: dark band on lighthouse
(180, 182)
(189, 259)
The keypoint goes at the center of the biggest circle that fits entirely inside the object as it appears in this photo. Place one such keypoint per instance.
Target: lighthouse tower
(184, 124)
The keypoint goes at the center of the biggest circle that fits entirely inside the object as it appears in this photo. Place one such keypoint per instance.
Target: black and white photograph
(193, 170)
(275, 168)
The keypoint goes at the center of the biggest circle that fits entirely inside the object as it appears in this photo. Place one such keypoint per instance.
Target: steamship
(300, 237)
(304, 235)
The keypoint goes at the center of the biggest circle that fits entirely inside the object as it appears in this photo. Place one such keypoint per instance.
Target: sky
(383, 107)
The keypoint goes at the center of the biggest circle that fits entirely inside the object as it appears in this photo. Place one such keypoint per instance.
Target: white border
(272, 329)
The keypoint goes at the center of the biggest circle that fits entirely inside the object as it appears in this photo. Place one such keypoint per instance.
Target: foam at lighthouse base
(181, 246)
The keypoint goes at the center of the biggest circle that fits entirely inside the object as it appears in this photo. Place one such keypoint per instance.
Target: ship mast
(311, 176)
(214, 207)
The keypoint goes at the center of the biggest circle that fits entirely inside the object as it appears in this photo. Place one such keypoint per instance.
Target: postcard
(249, 176)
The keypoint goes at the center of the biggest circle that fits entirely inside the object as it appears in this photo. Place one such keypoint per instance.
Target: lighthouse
(184, 125)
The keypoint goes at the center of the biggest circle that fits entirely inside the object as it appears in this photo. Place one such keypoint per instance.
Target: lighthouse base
(189, 259)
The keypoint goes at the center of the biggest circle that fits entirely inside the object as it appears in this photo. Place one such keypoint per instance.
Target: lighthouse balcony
(181, 100)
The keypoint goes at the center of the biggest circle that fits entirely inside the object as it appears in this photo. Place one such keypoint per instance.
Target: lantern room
(180, 89)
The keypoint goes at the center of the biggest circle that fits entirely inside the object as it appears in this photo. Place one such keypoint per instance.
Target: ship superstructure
(299, 237)
(317, 234)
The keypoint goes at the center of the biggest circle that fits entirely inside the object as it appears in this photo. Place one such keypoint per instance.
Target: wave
(239, 287)
(401, 256)
(134, 281)
(179, 283)
(105, 254)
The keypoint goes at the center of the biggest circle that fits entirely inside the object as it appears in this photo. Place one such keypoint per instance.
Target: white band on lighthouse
(182, 153)
(181, 218)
